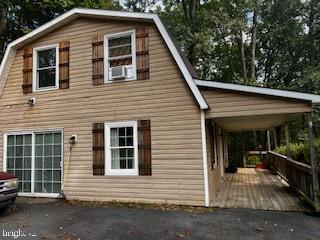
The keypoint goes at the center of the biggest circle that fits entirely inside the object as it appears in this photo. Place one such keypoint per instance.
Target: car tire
(3, 209)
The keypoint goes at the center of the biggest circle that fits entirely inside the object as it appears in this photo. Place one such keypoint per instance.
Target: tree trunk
(311, 33)
(311, 20)
(3, 28)
(3, 21)
(190, 8)
(253, 47)
(242, 56)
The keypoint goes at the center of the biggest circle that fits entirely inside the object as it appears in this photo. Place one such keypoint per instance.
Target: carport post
(313, 160)
(275, 138)
(286, 127)
(268, 139)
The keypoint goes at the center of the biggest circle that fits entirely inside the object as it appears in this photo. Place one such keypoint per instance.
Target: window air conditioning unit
(118, 73)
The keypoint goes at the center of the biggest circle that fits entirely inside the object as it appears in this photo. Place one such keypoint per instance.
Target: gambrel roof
(182, 62)
(185, 67)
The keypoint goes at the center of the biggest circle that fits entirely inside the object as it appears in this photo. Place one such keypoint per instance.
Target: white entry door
(36, 159)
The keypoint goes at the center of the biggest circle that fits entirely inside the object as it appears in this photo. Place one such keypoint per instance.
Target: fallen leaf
(219, 232)
(180, 235)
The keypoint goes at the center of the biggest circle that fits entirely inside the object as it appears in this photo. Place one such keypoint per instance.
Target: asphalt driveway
(60, 220)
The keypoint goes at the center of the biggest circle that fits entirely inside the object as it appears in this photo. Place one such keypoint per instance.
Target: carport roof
(315, 99)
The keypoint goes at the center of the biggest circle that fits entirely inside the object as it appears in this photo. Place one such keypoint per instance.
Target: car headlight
(12, 184)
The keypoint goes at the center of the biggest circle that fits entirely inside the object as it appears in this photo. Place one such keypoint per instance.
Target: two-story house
(102, 105)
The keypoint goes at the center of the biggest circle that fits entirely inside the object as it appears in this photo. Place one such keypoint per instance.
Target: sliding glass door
(47, 174)
(36, 159)
(19, 156)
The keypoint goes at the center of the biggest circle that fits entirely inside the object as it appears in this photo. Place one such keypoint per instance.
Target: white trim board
(107, 76)
(204, 159)
(108, 159)
(315, 99)
(80, 12)
(35, 76)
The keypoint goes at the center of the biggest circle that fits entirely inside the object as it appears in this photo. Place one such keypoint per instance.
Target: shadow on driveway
(59, 220)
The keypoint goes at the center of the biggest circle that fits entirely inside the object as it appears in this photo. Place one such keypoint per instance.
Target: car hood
(6, 176)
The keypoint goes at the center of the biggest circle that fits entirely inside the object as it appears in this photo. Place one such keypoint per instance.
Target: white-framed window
(45, 68)
(121, 153)
(120, 56)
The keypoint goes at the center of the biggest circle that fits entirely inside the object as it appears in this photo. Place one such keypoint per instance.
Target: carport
(245, 108)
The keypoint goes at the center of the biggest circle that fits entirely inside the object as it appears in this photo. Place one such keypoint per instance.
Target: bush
(300, 151)
(282, 150)
(253, 159)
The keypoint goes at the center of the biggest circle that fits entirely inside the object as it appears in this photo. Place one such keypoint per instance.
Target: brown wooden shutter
(144, 147)
(64, 60)
(98, 148)
(142, 53)
(97, 60)
(27, 71)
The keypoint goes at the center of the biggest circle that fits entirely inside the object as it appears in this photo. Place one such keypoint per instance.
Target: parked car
(8, 190)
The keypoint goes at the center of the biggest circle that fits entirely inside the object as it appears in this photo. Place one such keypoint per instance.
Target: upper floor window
(45, 65)
(120, 56)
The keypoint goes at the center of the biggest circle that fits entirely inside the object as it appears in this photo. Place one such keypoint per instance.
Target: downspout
(204, 159)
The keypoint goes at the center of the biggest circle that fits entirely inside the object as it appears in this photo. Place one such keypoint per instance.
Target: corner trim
(204, 159)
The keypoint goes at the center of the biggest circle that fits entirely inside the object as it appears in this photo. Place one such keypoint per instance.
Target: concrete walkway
(58, 220)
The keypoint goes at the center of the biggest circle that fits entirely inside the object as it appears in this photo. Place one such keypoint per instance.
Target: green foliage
(253, 159)
(287, 51)
(282, 150)
(21, 16)
(300, 151)
(140, 5)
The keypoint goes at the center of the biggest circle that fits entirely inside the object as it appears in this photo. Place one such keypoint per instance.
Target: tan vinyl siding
(177, 170)
(232, 104)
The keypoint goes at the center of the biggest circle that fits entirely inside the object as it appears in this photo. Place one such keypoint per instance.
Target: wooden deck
(256, 189)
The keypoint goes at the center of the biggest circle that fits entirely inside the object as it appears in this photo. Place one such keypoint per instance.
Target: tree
(140, 5)
(21, 16)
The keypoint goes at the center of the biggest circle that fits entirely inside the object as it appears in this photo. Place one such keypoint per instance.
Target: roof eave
(314, 99)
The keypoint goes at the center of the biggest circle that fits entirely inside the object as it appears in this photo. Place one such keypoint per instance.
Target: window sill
(122, 174)
(119, 81)
(45, 89)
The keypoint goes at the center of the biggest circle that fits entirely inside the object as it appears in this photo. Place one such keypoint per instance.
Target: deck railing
(297, 174)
